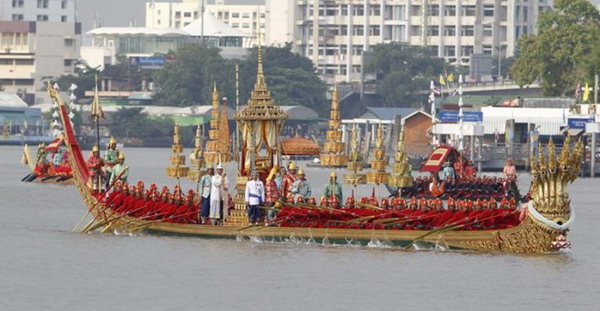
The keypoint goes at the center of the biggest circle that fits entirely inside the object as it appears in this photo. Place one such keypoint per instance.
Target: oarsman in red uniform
(116, 192)
(117, 203)
(415, 213)
(129, 201)
(350, 202)
(385, 204)
(445, 215)
(163, 205)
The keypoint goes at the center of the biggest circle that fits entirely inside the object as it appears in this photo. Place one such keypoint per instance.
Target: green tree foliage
(403, 70)
(190, 78)
(84, 78)
(559, 55)
(131, 122)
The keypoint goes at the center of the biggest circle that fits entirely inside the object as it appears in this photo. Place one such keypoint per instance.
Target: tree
(559, 55)
(291, 78)
(402, 71)
(189, 79)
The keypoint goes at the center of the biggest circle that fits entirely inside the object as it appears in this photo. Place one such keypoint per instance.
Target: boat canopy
(438, 157)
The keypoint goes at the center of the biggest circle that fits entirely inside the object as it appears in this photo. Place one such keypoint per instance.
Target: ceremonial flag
(586, 92)
(442, 81)
(450, 78)
(97, 112)
(434, 89)
(577, 90)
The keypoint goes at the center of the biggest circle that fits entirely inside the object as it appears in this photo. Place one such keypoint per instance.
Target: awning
(437, 158)
(300, 146)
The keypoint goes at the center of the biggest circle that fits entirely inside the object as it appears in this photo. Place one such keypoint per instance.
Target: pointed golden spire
(260, 75)
(215, 96)
(335, 98)
(379, 141)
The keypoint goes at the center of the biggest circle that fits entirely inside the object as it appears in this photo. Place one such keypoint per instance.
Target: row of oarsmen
(149, 204)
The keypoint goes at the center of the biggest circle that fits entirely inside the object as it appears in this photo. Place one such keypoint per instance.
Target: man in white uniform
(217, 194)
(254, 197)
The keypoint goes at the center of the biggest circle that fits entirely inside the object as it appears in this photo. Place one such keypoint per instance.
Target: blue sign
(579, 123)
(147, 62)
(451, 116)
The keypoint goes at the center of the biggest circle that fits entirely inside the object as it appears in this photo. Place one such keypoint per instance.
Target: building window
(469, 10)
(235, 15)
(467, 31)
(157, 12)
(63, 4)
(246, 25)
(449, 31)
(158, 22)
(177, 14)
(68, 62)
(195, 14)
(6, 61)
(487, 49)
(177, 24)
(69, 42)
(42, 18)
(374, 31)
(235, 25)
(27, 62)
(450, 10)
(245, 15)
(187, 14)
(63, 18)
(487, 30)
(434, 10)
(466, 50)
(186, 23)
(344, 10)
(17, 3)
(358, 30)
(343, 30)
(449, 50)
(488, 10)
(17, 17)
(359, 10)
(42, 4)
(262, 25)
(433, 31)
(375, 10)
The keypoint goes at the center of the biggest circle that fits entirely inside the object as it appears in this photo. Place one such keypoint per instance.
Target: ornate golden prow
(551, 176)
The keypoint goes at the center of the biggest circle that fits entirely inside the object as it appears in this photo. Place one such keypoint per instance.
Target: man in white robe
(218, 192)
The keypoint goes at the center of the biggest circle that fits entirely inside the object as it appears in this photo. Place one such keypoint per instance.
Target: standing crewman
(333, 188)
(288, 180)
(95, 164)
(119, 170)
(218, 190)
(110, 159)
(301, 187)
(204, 195)
(254, 196)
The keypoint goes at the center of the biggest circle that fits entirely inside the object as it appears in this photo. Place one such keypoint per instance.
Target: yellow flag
(586, 92)
(450, 78)
(442, 81)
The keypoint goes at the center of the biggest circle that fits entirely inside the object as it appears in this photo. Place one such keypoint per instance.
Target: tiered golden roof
(401, 168)
(261, 105)
(355, 163)
(378, 175)
(197, 158)
(178, 168)
(334, 147)
(217, 147)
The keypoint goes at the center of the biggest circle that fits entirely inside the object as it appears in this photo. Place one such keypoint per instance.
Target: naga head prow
(550, 178)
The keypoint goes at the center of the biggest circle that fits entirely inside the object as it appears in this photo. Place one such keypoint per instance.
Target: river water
(45, 266)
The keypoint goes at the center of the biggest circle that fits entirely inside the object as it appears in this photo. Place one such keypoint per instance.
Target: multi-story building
(334, 33)
(38, 10)
(249, 19)
(31, 52)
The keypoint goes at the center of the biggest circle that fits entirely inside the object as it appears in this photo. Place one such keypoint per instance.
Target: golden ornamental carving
(378, 175)
(401, 169)
(334, 148)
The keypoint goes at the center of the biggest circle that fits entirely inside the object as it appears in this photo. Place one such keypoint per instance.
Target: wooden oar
(98, 201)
(450, 227)
(108, 221)
(26, 177)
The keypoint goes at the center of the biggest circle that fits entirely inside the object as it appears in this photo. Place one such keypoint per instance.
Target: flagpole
(96, 115)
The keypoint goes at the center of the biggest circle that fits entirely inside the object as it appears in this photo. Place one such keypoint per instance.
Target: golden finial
(551, 155)
(260, 76)
(379, 141)
(215, 96)
(335, 105)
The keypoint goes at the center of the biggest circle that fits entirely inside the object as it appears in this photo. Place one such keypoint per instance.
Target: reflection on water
(44, 266)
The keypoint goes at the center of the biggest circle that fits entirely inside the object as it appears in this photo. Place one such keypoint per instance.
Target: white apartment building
(33, 51)
(249, 19)
(38, 10)
(334, 33)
